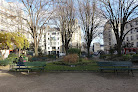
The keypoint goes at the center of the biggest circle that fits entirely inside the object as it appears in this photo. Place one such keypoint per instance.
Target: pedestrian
(20, 59)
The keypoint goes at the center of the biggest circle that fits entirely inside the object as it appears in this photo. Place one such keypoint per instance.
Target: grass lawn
(84, 65)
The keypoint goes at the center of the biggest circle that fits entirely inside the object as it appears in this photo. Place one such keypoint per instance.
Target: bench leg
(28, 71)
(132, 72)
(101, 70)
(128, 72)
(116, 72)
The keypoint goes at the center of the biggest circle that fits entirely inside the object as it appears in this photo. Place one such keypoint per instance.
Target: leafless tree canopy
(90, 20)
(38, 13)
(118, 12)
(66, 19)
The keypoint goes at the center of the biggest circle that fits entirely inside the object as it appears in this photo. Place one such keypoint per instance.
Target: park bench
(115, 66)
(30, 66)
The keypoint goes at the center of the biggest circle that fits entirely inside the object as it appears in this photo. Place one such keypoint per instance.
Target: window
(131, 31)
(109, 35)
(48, 38)
(109, 43)
(49, 52)
(127, 39)
(136, 29)
(53, 47)
(131, 37)
(137, 37)
(137, 44)
(109, 39)
(48, 48)
(58, 47)
(132, 43)
(58, 38)
(136, 22)
(54, 33)
(48, 33)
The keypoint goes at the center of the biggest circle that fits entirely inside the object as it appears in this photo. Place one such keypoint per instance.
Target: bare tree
(118, 12)
(38, 14)
(66, 20)
(90, 21)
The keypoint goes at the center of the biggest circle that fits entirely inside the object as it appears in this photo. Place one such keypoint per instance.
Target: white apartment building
(52, 42)
(132, 36)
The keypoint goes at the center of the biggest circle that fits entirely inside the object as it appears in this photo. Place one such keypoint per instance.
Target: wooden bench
(30, 66)
(115, 66)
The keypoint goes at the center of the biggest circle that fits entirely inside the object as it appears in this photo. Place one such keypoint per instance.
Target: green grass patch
(84, 65)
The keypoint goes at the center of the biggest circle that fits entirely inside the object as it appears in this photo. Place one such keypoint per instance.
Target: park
(68, 46)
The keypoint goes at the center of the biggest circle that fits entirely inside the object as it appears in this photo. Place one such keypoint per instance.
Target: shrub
(135, 55)
(7, 61)
(12, 55)
(105, 56)
(71, 58)
(135, 58)
(50, 56)
(74, 51)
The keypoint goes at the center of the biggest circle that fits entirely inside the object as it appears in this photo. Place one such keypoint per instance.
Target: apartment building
(108, 36)
(76, 37)
(131, 37)
(51, 42)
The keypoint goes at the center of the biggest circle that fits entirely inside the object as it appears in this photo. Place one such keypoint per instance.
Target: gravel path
(67, 82)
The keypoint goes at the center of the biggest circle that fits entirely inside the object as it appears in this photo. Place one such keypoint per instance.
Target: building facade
(108, 36)
(131, 37)
(76, 37)
(52, 41)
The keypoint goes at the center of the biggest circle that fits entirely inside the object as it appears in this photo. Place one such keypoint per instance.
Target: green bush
(7, 61)
(135, 55)
(12, 55)
(135, 58)
(126, 57)
(0, 58)
(74, 51)
(50, 56)
(105, 56)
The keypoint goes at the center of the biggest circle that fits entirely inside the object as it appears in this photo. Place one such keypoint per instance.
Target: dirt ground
(67, 82)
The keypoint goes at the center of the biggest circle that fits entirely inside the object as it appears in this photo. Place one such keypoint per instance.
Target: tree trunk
(35, 47)
(119, 49)
(19, 52)
(36, 51)
(2, 55)
(66, 49)
(88, 50)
